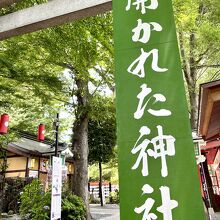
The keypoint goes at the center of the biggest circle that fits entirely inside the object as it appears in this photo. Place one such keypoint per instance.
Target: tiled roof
(29, 145)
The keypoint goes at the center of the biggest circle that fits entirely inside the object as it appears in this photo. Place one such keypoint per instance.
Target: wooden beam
(207, 115)
(38, 167)
(49, 14)
(14, 156)
(15, 171)
(6, 3)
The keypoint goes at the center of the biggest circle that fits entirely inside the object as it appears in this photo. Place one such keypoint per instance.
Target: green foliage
(109, 172)
(198, 32)
(114, 197)
(102, 131)
(73, 208)
(4, 141)
(34, 202)
(10, 212)
(20, 5)
(12, 189)
(7, 138)
(94, 200)
(39, 70)
(26, 90)
(53, 69)
(200, 18)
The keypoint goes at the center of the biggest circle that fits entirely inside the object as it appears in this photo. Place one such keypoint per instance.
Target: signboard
(33, 173)
(44, 165)
(56, 188)
(157, 167)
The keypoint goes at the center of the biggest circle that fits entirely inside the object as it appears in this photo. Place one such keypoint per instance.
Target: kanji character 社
(147, 206)
(166, 208)
(167, 203)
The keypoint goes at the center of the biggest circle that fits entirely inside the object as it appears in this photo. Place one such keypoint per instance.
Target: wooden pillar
(38, 167)
(27, 170)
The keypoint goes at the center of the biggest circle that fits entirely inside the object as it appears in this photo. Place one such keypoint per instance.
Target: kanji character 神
(160, 149)
(144, 29)
(137, 66)
(141, 5)
(166, 208)
(145, 91)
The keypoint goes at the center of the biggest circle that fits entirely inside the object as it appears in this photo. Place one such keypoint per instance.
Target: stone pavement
(215, 216)
(212, 215)
(111, 212)
(14, 217)
(107, 212)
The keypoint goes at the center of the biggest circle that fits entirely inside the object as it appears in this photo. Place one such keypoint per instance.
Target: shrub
(34, 202)
(73, 208)
(94, 200)
(12, 189)
(114, 197)
(10, 212)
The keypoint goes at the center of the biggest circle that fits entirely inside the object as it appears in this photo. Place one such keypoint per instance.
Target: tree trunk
(100, 183)
(193, 97)
(1, 194)
(190, 74)
(2, 177)
(80, 177)
(80, 145)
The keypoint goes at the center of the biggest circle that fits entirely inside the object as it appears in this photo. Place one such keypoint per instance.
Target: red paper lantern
(41, 132)
(4, 124)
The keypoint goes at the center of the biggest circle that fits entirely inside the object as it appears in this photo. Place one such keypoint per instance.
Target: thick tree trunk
(80, 177)
(80, 145)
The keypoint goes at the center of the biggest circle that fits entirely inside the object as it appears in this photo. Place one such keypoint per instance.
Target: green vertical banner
(157, 167)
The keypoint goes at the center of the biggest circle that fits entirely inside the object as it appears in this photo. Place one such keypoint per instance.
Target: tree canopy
(198, 33)
(61, 67)
(102, 131)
